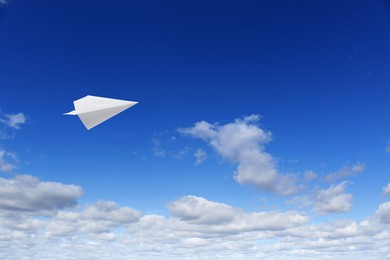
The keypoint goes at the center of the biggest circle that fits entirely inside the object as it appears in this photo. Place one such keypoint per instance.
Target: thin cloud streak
(346, 171)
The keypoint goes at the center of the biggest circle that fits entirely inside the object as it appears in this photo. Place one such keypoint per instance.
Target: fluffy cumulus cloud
(343, 239)
(333, 199)
(243, 142)
(383, 212)
(346, 171)
(28, 194)
(197, 213)
(200, 210)
(110, 211)
(97, 219)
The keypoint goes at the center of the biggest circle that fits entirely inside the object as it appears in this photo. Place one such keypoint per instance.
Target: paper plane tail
(74, 112)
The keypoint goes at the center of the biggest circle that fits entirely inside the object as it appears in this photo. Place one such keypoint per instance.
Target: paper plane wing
(94, 110)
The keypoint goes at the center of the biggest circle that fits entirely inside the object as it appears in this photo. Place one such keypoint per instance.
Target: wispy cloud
(309, 175)
(243, 142)
(167, 146)
(3, 2)
(158, 152)
(157, 149)
(13, 120)
(9, 123)
(386, 191)
(333, 200)
(387, 149)
(5, 164)
(346, 171)
(200, 155)
(162, 146)
(183, 153)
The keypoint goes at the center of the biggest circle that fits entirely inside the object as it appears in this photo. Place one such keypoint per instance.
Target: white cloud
(5, 165)
(107, 231)
(386, 190)
(196, 213)
(24, 200)
(28, 194)
(243, 142)
(342, 228)
(3, 2)
(200, 210)
(199, 229)
(346, 171)
(200, 156)
(333, 199)
(13, 120)
(336, 240)
(324, 201)
(383, 212)
(101, 217)
(110, 211)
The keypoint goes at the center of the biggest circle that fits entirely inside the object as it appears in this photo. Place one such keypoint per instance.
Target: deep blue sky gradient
(317, 71)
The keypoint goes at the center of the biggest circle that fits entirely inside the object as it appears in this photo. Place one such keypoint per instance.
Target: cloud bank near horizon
(197, 227)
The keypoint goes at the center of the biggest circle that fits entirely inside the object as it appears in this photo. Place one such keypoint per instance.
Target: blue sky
(262, 130)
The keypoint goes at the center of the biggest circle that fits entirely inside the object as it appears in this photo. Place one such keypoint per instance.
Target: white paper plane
(94, 110)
